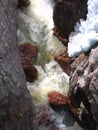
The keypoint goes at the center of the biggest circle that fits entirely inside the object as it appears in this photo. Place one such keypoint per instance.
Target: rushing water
(35, 27)
(86, 32)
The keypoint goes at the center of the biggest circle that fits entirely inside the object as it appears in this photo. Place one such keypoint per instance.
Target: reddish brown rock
(59, 36)
(57, 98)
(45, 115)
(28, 51)
(30, 71)
(64, 60)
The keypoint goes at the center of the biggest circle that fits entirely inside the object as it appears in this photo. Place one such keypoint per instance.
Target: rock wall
(16, 109)
(84, 88)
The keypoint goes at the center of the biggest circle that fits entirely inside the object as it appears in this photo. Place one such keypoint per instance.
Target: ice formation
(86, 32)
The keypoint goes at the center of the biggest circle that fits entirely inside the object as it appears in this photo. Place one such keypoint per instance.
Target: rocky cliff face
(66, 14)
(16, 109)
(84, 87)
(83, 99)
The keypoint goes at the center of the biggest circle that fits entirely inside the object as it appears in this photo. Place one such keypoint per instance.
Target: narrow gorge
(49, 66)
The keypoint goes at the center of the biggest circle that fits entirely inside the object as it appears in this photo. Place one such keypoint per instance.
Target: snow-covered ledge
(86, 32)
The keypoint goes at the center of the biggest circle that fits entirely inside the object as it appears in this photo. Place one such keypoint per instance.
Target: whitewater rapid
(35, 27)
(86, 32)
(36, 24)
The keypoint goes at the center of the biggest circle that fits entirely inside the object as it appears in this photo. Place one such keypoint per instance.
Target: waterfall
(86, 32)
(36, 26)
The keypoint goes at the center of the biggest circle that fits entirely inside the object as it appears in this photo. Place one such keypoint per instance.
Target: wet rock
(57, 98)
(64, 60)
(65, 15)
(30, 71)
(46, 118)
(44, 115)
(84, 87)
(23, 3)
(28, 51)
(60, 36)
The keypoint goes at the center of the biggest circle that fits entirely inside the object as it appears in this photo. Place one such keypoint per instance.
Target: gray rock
(15, 101)
(84, 87)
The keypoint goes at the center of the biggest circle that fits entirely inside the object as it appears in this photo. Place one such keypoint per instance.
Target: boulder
(30, 71)
(28, 51)
(65, 15)
(64, 60)
(84, 88)
(57, 98)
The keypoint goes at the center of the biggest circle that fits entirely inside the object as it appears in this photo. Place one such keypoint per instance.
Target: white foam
(43, 10)
(86, 33)
(50, 79)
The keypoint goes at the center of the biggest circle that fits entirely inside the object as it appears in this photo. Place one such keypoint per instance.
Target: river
(35, 26)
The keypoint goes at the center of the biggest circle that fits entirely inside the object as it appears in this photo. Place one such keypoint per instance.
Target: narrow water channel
(35, 26)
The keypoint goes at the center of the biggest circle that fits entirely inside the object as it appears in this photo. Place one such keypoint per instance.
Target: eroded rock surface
(17, 111)
(28, 51)
(64, 60)
(84, 87)
(30, 71)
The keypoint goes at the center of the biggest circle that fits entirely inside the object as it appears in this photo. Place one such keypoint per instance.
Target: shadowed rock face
(84, 87)
(17, 111)
(27, 52)
(66, 14)
(30, 71)
(23, 3)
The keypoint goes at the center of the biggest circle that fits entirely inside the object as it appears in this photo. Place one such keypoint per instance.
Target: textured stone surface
(28, 51)
(66, 14)
(15, 101)
(64, 60)
(57, 98)
(46, 118)
(59, 36)
(30, 71)
(84, 87)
